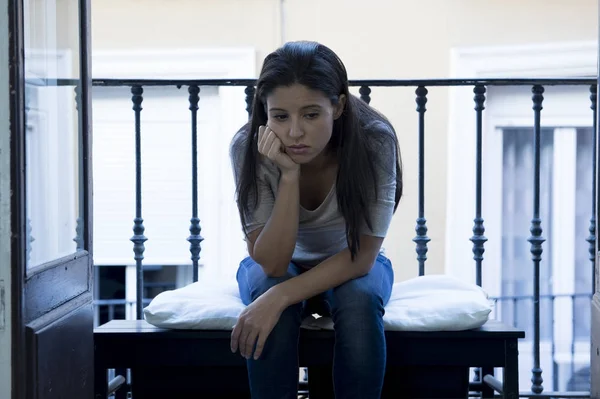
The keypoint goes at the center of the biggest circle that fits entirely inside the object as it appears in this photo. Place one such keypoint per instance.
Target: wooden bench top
(491, 329)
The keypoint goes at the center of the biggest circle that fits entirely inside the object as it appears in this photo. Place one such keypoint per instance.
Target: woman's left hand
(256, 323)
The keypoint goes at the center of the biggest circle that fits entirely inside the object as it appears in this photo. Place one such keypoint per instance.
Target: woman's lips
(297, 149)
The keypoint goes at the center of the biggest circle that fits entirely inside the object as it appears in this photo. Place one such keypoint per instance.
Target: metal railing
(421, 239)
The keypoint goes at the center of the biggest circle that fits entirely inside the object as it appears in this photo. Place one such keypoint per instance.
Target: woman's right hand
(271, 147)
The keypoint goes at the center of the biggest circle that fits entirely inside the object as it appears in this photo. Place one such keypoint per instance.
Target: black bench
(199, 364)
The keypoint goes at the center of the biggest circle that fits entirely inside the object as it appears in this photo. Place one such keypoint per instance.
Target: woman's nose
(296, 130)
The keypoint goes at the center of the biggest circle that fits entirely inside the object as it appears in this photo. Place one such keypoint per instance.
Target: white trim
(217, 63)
(568, 59)
(563, 225)
(546, 60)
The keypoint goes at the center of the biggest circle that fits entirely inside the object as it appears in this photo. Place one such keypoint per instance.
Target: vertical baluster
(536, 239)
(478, 238)
(365, 94)
(250, 90)
(592, 237)
(138, 238)
(194, 239)
(421, 239)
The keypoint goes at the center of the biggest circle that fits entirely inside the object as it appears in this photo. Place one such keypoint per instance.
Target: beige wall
(5, 281)
(376, 39)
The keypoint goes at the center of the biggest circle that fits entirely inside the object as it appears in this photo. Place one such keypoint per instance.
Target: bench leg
(320, 382)
(100, 382)
(486, 391)
(511, 369)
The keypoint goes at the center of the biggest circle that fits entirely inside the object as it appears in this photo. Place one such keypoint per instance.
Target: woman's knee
(357, 300)
(253, 281)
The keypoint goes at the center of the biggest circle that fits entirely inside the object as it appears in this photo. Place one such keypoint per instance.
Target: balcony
(533, 223)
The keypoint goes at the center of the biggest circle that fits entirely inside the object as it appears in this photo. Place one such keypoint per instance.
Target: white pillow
(427, 303)
(202, 306)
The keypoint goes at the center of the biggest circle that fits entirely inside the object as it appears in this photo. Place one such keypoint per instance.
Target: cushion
(426, 303)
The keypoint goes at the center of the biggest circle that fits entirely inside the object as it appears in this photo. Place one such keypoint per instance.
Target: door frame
(24, 285)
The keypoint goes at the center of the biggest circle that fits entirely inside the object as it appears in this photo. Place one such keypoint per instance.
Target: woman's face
(302, 118)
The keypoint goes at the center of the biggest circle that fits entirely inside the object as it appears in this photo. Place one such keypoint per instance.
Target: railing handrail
(451, 82)
(542, 296)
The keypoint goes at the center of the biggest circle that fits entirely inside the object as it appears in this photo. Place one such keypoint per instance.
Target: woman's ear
(339, 108)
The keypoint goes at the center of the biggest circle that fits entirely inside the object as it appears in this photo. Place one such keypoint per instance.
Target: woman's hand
(256, 323)
(271, 146)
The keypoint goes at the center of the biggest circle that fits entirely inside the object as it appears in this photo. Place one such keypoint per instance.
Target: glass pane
(517, 212)
(51, 35)
(583, 214)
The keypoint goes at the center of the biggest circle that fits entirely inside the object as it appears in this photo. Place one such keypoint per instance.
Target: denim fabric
(357, 309)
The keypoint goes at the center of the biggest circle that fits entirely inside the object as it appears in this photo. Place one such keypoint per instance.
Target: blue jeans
(357, 309)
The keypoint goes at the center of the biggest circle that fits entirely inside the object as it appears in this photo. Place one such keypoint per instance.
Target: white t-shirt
(322, 232)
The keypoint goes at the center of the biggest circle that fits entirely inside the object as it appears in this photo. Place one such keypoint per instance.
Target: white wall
(5, 306)
(378, 39)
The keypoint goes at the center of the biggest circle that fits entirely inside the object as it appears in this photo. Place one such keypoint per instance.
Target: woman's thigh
(369, 292)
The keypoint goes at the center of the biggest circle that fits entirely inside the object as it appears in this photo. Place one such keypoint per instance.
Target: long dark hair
(354, 142)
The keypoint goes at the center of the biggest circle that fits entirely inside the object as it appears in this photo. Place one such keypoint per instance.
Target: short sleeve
(259, 213)
(381, 207)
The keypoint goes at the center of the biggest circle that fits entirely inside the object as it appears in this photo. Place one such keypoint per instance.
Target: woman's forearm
(329, 274)
(275, 244)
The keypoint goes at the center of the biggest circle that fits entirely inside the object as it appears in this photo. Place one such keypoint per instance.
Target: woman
(318, 179)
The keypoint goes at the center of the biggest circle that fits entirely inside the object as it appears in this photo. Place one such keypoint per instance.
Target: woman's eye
(280, 117)
(312, 115)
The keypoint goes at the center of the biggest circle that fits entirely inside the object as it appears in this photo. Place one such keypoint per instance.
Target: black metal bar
(354, 82)
(138, 238)
(525, 297)
(194, 239)
(536, 238)
(478, 239)
(250, 92)
(421, 239)
(592, 237)
(556, 395)
(477, 377)
(365, 94)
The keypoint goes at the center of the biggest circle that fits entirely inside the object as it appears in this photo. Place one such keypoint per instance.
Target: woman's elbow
(273, 270)
(270, 268)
